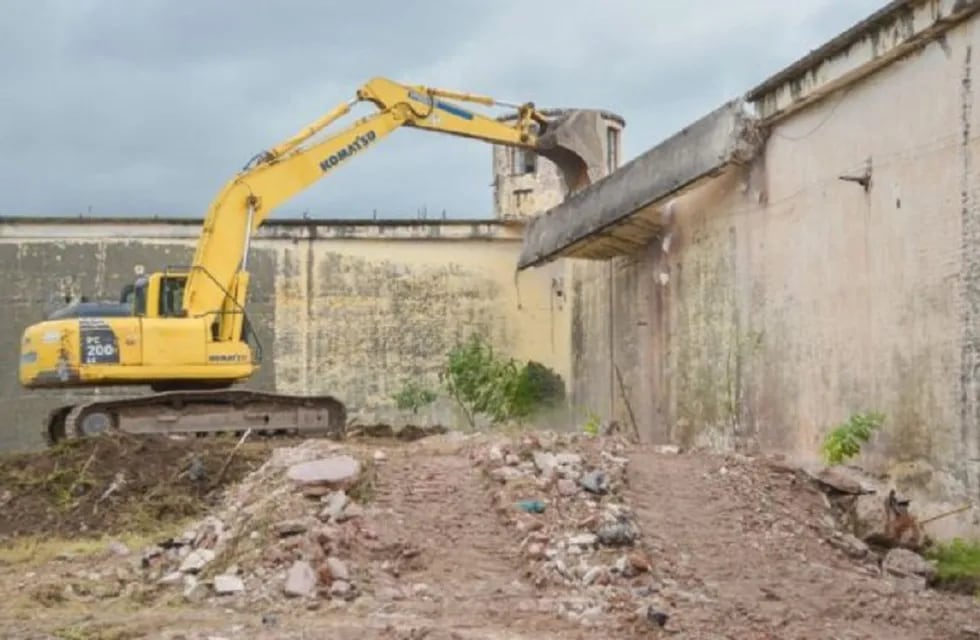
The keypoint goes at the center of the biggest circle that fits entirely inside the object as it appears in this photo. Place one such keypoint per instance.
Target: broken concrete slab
(300, 580)
(197, 560)
(225, 584)
(728, 135)
(326, 474)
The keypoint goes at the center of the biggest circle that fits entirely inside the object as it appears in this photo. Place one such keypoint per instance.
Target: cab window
(139, 297)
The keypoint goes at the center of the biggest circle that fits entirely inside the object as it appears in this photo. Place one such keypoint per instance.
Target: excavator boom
(280, 173)
(185, 332)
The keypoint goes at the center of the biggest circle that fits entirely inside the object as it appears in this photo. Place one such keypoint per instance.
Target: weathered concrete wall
(353, 309)
(781, 298)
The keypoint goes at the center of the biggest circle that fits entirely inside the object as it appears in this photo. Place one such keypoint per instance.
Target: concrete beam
(580, 226)
(894, 31)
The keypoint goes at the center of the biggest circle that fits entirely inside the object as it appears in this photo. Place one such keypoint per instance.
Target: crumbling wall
(526, 183)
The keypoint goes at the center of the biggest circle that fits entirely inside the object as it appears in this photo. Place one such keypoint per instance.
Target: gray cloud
(147, 107)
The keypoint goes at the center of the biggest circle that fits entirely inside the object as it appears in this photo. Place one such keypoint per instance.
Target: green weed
(957, 565)
(845, 441)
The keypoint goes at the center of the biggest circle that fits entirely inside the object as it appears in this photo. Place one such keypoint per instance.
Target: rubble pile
(556, 534)
(284, 532)
(564, 496)
(870, 523)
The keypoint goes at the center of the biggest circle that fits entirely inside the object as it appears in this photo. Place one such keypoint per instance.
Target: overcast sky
(146, 107)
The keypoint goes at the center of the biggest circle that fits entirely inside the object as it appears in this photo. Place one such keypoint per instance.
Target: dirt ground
(736, 549)
(118, 484)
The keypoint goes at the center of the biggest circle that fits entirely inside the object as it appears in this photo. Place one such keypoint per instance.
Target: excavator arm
(278, 174)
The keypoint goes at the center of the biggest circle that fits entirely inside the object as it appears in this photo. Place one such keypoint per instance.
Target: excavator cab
(158, 295)
(127, 342)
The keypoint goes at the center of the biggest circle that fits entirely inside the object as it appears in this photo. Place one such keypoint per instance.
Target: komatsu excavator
(184, 332)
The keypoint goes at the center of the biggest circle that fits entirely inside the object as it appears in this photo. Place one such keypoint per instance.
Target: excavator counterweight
(185, 333)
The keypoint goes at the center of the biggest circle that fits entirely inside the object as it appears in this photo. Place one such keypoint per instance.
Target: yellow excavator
(184, 332)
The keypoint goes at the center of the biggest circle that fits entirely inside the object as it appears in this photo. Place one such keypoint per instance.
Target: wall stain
(910, 428)
(970, 280)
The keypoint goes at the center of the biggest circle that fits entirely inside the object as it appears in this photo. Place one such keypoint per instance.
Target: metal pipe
(248, 234)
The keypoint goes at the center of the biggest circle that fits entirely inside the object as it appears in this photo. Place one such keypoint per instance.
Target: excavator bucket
(573, 141)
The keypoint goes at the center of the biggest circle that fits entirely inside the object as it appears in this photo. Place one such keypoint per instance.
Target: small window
(523, 161)
(522, 198)
(612, 149)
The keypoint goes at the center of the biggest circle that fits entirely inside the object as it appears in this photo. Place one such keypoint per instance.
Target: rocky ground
(535, 535)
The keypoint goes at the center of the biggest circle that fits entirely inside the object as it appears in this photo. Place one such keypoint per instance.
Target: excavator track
(201, 413)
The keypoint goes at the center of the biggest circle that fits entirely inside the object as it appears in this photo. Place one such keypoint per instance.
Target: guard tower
(525, 184)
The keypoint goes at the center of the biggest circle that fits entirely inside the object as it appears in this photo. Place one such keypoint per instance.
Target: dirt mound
(117, 482)
(749, 548)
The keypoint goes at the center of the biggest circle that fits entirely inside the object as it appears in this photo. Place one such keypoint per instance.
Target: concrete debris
(338, 570)
(584, 540)
(196, 560)
(849, 544)
(594, 482)
(903, 563)
(617, 533)
(319, 477)
(301, 553)
(172, 578)
(545, 462)
(334, 505)
(194, 589)
(228, 584)
(865, 508)
(573, 543)
(506, 474)
(567, 488)
(351, 511)
(568, 459)
(300, 580)
(340, 588)
(842, 480)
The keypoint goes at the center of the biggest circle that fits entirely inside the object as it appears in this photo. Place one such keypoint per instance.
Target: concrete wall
(782, 299)
(352, 309)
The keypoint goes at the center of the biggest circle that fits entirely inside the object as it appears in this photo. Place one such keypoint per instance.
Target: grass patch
(98, 632)
(36, 550)
(957, 565)
(363, 490)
